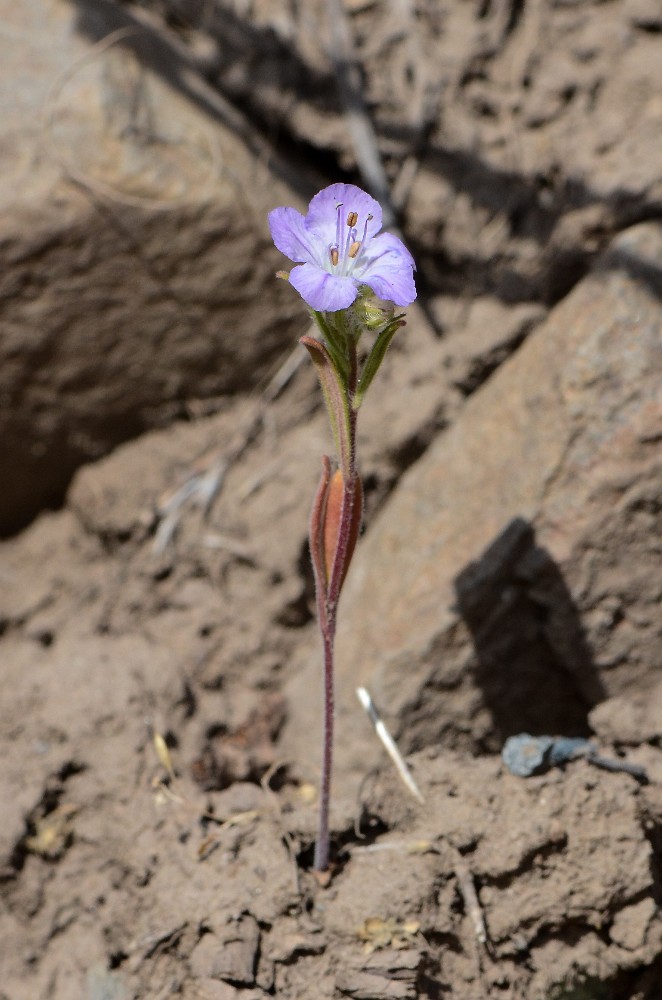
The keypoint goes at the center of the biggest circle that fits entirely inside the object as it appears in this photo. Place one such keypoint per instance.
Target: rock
(421, 78)
(135, 254)
(389, 974)
(512, 582)
(492, 332)
(630, 718)
(217, 989)
(231, 955)
(631, 924)
(290, 942)
(515, 141)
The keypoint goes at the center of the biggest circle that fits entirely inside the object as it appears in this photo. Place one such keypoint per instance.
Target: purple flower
(338, 247)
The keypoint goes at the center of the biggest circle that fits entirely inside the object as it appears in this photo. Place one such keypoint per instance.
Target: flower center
(345, 253)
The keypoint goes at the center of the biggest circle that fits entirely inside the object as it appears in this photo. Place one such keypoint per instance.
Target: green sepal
(334, 391)
(374, 359)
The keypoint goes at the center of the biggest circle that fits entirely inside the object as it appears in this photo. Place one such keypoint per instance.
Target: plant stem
(327, 591)
(321, 862)
(327, 606)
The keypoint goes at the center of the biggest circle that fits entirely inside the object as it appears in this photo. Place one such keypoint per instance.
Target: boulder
(135, 254)
(512, 582)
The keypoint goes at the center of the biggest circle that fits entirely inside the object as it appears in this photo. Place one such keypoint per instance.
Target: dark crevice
(378, 488)
(536, 857)
(367, 831)
(642, 982)
(414, 447)
(652, 827)
(514, 16)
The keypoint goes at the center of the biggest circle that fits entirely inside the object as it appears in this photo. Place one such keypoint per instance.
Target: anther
(352, 219)
(354, 249)
(335, 256)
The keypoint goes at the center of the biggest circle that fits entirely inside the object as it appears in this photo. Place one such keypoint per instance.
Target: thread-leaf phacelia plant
(352, 276)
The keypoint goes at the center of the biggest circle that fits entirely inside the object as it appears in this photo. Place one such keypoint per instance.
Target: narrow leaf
(374, 360)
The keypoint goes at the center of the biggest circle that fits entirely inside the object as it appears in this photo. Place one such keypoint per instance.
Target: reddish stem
(321, 861)
(327, 587)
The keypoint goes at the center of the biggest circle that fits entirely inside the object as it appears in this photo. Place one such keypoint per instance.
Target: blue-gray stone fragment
(525, 755)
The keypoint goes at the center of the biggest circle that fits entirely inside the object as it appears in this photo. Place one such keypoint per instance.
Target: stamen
(358, 246)
(338, 225)
(334, 255)
(352, 219)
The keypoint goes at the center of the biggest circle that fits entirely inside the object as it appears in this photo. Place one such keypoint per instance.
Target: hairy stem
(327, 588)
(321, 861)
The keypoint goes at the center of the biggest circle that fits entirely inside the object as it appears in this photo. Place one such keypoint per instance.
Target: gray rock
(137, 274)
(512, 582)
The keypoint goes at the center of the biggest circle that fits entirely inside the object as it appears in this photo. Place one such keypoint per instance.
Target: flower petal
(388, 244)
(388, 268)
(321, 215)
(289, 233)
(322, 291)
(397, 285)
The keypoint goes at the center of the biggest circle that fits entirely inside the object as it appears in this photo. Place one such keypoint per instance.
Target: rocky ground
(159, 719)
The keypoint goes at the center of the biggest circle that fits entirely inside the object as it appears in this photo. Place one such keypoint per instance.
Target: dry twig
(389, 743)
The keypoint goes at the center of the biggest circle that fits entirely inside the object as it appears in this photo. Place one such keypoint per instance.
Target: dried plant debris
(53, 832)
(390, 933)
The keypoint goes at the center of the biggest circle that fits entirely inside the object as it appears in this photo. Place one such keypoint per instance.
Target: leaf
(374, 360)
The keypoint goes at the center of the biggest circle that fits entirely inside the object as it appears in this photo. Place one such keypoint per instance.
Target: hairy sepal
(317, 531)
(338, 519)
(334, 391)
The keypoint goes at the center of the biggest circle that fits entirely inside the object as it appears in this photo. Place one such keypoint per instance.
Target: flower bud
(372, 313)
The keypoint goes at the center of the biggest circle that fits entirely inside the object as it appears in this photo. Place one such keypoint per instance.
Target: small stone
(230, 955)
(629, 718)
(631, 924)
(388, 974)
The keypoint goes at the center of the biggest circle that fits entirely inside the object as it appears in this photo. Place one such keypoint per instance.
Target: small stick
(470, 896)
(388, 742)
